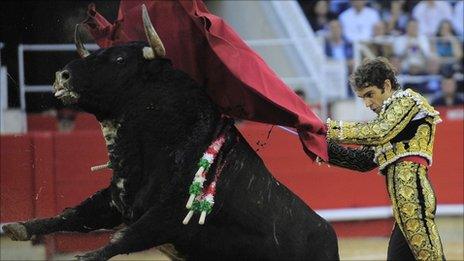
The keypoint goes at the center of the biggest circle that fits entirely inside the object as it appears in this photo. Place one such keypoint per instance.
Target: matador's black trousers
(415, 235)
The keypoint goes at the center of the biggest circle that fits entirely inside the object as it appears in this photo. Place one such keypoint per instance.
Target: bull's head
(100, 78)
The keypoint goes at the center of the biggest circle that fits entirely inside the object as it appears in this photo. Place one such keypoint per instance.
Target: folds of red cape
(210, 51)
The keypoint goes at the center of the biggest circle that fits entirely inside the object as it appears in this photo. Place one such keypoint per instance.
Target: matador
(399, 141)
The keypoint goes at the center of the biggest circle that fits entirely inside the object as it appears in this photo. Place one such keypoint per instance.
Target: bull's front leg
(152, 229)
(92, 214)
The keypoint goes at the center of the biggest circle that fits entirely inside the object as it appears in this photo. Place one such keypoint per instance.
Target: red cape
(210, 51)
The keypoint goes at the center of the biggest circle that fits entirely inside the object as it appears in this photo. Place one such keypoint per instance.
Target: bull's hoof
(16, 231)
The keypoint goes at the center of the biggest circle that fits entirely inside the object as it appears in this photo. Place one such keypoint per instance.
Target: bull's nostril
(65, 75)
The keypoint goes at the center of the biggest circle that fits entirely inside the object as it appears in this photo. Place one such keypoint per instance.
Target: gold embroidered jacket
(405, 126)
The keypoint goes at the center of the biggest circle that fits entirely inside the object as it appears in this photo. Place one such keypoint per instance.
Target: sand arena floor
(365, 248)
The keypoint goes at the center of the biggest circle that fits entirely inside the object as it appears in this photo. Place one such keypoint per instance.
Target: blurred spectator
(458, 16)
(396, 18)
(429, 14)
(381, 43)
(380, 30)
(338, 6)
(447, 45)
(448, 96)
(412, 49)
(433, 83)
(358, 21)
(320, 16)
(336, 46)
(429, 82)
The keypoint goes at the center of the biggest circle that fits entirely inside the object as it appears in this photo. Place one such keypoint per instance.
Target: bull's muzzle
(61, 86)
(61, 82)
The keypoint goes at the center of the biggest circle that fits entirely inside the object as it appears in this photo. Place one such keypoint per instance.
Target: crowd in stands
(423, 39)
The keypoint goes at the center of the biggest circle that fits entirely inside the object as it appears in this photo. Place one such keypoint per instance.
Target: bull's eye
(120, 60)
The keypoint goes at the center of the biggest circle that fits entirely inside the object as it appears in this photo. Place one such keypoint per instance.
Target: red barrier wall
(447, 172)
(44, 172)
(74, 182)
(77, 153)
(16, 178)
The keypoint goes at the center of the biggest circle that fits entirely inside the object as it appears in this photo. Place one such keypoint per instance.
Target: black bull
(157, 124)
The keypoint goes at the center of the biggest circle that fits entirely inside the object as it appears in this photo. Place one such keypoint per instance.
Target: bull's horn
(152, 36)
(79, 45)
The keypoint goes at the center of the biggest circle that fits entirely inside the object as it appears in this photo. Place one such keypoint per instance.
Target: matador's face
(373, 96)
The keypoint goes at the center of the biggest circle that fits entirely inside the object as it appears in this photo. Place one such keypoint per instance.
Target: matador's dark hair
(374, 72)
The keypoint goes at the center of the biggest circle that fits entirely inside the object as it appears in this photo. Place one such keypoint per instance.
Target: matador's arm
(355, 159)
(393, 118)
